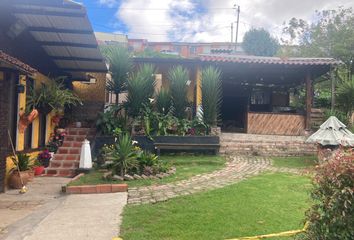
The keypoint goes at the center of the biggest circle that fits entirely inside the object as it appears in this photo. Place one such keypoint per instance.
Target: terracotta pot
(15, 181)
(38, 170)
(33, 115)
(30, 174)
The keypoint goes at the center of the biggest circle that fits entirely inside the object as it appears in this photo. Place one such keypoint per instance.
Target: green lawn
(186, 167)
(268, 203)
(295, 162)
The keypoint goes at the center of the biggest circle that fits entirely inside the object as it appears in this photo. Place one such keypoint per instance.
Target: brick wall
(4, 125)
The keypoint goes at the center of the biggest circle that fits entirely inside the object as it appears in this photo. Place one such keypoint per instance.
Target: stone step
(69, 157)
(69, 150)
(59, 172)
(75, 144)
(64, 164)
(74, 138)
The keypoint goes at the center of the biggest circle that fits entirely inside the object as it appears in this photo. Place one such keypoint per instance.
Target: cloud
(210, 20)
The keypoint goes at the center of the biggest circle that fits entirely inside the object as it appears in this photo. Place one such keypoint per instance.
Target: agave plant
(211, 95)
(51, 96)
(141, 87)
(120, 64)
(178, 77)
(163, 101)
(123, 155)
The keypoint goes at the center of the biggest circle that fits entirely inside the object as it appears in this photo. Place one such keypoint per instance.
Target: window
(260, 97)
(193, 50)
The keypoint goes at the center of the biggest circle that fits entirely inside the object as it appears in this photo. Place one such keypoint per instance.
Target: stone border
(89, 189)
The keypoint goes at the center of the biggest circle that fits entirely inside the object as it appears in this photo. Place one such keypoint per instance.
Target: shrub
(211, 95)
(141, 87)
(332, 215)
(163, 101)
(110, 120)
(178, 77)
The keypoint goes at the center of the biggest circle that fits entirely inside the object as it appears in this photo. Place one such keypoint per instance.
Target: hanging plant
(51, 96)
(26, 119)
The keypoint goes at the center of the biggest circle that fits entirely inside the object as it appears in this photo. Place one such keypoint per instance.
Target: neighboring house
(256, 90)
(185, 49)
(111, 39)
(41, 38)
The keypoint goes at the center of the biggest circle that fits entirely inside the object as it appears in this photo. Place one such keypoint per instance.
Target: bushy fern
(178, 77)
(140, 87)
(211, 95)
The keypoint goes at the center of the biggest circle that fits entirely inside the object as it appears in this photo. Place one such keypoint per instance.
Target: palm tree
(120, 65)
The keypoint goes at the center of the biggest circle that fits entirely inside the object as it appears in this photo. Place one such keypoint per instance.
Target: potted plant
(38, 168)
(22, 170)
(26, 118)
(44, 157)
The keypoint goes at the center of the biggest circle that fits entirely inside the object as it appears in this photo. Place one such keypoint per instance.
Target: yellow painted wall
(38, 80)
(92, 92)
(198, 80)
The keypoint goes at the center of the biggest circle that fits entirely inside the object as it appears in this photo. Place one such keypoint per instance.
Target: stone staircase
(65, 162)
(265, 145)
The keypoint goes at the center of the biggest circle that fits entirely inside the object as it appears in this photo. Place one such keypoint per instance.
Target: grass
(186, 167)
(268, 203)
(295, 162)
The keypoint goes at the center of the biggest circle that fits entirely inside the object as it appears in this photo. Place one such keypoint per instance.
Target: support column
(309, 100)
(198, 92)
(333, 89)
(4, 126)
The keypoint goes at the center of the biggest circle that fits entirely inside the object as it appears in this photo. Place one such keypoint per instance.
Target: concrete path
(74, 217)
(15, 206)
(237, 168)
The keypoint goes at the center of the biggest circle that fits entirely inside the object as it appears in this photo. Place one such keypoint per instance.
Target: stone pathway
(237, 168)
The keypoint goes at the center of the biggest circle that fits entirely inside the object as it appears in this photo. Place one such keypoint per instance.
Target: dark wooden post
(333, 89)
(4, 125)
(309, 98)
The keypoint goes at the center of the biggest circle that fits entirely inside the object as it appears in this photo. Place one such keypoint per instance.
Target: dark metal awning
(63, 30)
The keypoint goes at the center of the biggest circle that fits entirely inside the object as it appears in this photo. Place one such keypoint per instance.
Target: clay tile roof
(17, 63)
(267, 60)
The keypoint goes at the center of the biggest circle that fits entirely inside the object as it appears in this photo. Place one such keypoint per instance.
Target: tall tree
(332, 35)
(259, 42)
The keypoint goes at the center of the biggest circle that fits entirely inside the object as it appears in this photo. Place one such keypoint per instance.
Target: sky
(199, 20)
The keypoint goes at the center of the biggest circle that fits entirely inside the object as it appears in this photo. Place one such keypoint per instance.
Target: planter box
(187, 143)
(190, 143)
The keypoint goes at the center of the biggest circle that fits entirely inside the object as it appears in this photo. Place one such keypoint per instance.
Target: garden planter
(38, 170)
(26, 120)
(15, 181)
(187, 139)
(30, 174)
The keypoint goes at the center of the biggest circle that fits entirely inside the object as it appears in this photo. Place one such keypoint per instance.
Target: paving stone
(236, 169)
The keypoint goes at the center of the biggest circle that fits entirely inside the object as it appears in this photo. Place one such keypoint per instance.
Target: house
(111, 39)
(185, 49)
(256, 90)
(40, 40)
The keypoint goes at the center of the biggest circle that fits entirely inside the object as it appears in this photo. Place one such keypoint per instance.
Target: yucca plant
(163, 101)
(211, 95)
(120, 65)
(51, 96)
(140, 87)
(178, 77)
(123, 155)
